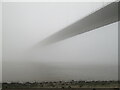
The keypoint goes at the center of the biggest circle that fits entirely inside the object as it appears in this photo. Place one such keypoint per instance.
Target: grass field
(62, 85)
(66, 89)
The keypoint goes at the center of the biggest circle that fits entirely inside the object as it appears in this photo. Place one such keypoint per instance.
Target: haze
(89, 56)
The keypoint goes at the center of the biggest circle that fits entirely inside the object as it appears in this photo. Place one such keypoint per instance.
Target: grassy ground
(63, 84)
(65, 89)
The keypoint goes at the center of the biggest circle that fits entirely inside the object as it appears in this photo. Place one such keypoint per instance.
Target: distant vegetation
(62, 84)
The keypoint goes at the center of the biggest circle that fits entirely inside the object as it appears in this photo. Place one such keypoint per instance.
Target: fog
(89, 56)
(0, 43)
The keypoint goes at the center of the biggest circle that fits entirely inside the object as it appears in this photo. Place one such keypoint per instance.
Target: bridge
(102, 17)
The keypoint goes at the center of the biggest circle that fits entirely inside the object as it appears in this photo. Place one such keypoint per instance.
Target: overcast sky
(89, 56)
(0, 42)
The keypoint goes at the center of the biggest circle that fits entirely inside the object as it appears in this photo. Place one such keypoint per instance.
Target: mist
(89, 56)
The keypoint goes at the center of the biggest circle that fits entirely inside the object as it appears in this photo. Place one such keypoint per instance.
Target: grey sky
(89, 56)
(0, 42)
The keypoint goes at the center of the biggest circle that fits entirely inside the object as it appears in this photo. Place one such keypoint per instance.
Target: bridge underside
(102, 17)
